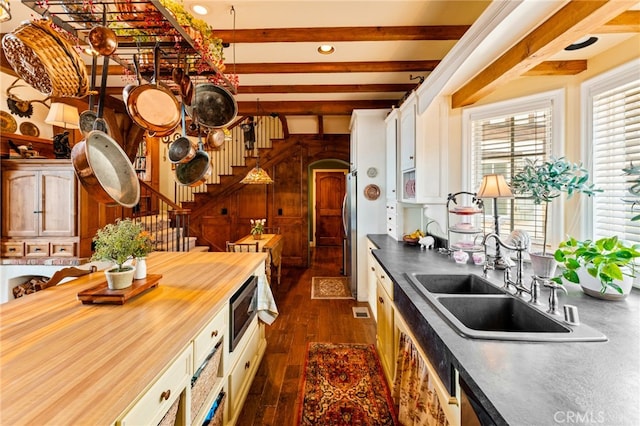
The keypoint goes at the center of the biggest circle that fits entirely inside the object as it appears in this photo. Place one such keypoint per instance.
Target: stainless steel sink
(456, 284)
(477, 309)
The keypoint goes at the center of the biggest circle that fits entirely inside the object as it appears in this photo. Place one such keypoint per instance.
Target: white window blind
(615, 144)
(500, 144)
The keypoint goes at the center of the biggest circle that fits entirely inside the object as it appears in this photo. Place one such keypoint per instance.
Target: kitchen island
(521, 383)
(64, 362)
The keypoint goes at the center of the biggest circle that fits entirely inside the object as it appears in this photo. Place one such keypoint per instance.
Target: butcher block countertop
(62, 362)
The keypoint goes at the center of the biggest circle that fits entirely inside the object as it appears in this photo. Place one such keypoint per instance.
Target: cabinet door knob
(247, 365)
(381, 300)
(214, 333)
(411, 157)
(164, 396)
(373, 269)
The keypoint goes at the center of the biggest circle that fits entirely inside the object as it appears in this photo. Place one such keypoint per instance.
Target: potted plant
(634, 189)
(118, 242)
(257, 228)
(604, 268)
(544, 182)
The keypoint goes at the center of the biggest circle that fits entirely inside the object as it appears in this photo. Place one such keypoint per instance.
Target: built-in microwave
(242, 310)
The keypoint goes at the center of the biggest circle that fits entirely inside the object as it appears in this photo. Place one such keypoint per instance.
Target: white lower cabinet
(163, 393)
(250, 353)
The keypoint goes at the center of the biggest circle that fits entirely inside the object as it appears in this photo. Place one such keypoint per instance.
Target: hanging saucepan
(153, 106)
(197, 170)
(181, 150)
(129, 87)
(215, 139)
(216, 106)
(103, 40)
(105, 171)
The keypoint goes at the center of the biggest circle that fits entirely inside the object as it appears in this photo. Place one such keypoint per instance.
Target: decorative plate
(9, 124)
(29, 129)
(371, 192)
(372, 172)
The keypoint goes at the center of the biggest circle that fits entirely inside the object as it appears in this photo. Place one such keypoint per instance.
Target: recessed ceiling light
(582, 43)
(326, 49)
(199, 9)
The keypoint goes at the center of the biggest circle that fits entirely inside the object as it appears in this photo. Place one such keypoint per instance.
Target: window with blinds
(500, 144)
(615, 132)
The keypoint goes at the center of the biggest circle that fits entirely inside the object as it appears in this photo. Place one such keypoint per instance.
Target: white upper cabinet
(392, 155)
(408, 133)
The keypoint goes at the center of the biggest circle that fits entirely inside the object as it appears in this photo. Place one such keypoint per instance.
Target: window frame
(588, 89)
(512, 107)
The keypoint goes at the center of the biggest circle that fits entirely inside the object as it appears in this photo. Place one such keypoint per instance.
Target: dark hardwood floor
(273, 398)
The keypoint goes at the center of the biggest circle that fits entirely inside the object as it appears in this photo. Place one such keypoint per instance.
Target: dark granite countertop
(521, 383)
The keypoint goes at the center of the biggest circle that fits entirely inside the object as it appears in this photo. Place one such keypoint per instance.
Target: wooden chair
(37, 284)
(242, 247)
(271, 230)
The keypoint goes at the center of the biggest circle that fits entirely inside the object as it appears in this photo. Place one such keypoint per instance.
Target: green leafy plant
(634, 189)
(546, 181)
(606, 259)
(117, 242)
(257, 226)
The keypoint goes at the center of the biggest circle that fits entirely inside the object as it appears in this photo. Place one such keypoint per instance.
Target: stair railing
(165, 220)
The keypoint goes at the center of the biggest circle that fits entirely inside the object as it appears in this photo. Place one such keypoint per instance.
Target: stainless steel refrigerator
(350, 243)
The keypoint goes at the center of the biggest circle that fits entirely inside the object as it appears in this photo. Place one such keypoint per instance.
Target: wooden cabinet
(39, 202)
(385, 329)
(45, 211)
(372, 280)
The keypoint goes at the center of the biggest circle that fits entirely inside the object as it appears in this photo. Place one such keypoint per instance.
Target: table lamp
(494, 186)
(63, 115)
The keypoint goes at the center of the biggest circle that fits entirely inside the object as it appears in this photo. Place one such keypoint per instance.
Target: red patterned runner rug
(344, 384)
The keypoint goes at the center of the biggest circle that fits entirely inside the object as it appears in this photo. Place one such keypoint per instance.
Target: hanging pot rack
(177, 44)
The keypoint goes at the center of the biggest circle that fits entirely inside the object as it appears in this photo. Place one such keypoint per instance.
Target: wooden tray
(102, 294)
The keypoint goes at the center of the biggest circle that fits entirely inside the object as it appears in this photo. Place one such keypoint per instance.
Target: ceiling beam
(570, 23)
(558, 68)
(331, 67)
(336, 34)
(627, 22)
(327, 88)
(314, 107)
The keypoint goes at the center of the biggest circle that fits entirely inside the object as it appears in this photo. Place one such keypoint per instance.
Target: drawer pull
(383, 277)
(62, 249)
(12, 249)
(373, 269)
(214, 333)
(164, 396)
(381, 300)
(247, 365)
(37, 249)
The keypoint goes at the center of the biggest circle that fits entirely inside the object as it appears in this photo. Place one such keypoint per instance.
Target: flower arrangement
(120, 241)
(257, 226)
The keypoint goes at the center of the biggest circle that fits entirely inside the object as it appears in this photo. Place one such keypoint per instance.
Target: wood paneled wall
(283, 204)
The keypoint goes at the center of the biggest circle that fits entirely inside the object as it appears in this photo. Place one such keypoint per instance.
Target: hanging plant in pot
(544, 182)
(604, 268)
(118, 242)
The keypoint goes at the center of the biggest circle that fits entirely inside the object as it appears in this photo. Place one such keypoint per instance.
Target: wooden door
(58, 203)
(330, 190)
(20, 203)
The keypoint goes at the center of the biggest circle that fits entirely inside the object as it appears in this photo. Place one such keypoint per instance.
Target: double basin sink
(478, 309)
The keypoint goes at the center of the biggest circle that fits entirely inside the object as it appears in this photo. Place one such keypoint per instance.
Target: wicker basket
(204, 381)
(169, 419)
(45, 60)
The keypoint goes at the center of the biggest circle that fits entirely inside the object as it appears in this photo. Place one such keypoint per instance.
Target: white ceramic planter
(593, 287)
(543, 266)
(141, 268)
(119, 280)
